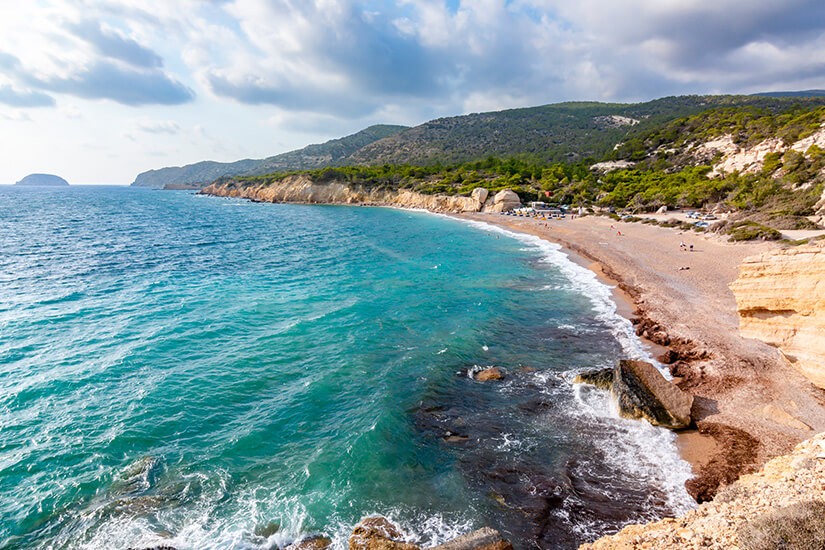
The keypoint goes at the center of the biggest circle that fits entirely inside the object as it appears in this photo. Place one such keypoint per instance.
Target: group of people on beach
(684, 248)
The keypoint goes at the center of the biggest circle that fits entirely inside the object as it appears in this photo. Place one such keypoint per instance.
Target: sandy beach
(748, 398)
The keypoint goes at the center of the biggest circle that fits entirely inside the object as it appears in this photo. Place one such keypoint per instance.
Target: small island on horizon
(43, 180)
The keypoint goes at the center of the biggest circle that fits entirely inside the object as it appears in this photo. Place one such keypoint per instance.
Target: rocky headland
(303, 189)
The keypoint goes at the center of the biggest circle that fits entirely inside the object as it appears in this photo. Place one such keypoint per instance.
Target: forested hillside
(764, 161)
(559, 133)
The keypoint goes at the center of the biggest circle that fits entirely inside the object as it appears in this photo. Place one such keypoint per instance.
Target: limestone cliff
(302, 189)
(777, 507)
(780, 296)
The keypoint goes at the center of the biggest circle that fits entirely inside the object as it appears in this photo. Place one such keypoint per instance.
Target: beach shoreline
(751, 405)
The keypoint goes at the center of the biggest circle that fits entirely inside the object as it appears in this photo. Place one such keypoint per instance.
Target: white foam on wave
(646, 452)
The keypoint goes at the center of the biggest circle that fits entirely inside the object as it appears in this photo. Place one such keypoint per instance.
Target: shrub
(799, 527)
(747, 230)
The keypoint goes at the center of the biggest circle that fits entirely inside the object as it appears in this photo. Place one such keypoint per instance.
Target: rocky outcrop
(612, 165)
(503, 201)
(601, 378)
(481, 539)
(780, 506)
(642, 392)
(491, 373)
(780, 296)
(378, 533)
(302, 189)
(730, 157)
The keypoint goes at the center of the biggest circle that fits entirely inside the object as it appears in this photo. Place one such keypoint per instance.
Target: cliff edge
(781, 506)
(302, 189)
(780, 297)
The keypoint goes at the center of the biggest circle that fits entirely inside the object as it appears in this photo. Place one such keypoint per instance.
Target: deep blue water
(215, 373)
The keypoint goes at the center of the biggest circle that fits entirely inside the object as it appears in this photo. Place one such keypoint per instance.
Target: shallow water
(215, 373)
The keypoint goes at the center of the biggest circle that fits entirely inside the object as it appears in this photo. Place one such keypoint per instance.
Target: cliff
(780, 506)
(43, 180)
(780, 296)
(302, 189)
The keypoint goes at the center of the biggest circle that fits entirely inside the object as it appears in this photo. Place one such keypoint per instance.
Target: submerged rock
(378, 533)
(485, 538)
(492, 373)
(317, 542)
(266, 530)
(642, 392)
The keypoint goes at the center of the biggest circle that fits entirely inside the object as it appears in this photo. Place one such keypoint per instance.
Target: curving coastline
(751, 404)
(749, 399)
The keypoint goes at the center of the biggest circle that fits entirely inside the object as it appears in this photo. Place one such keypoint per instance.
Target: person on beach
(691, 248)
(682, 246)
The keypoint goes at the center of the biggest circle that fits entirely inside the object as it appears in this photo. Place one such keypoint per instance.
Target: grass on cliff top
(797, 527)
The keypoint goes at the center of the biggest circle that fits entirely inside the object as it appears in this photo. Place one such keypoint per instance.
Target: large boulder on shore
(503, 201)
(480, 194)
(643, 392)
(601, 378)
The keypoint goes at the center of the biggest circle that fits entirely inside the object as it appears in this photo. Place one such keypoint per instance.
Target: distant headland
(43, 180)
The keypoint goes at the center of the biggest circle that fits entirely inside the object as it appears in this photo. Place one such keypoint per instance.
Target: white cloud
(264, 75)
(158, 126)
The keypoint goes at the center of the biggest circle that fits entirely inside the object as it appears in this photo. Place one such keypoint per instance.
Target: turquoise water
(215, 373)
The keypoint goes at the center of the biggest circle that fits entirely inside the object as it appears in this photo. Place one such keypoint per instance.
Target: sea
(208, 373)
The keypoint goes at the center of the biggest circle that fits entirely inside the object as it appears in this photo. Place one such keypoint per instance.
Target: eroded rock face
(642, 392)
(503, 201)
(302, 189)
(780, 296)
(784, 483)
(480, 194)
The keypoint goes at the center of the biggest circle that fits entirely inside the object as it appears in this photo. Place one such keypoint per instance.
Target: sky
(97, 91)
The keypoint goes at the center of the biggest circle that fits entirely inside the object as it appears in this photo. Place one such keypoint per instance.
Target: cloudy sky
(99, 90)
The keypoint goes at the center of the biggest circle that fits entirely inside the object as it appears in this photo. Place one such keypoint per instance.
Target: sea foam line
(585, 282)
(639, 446)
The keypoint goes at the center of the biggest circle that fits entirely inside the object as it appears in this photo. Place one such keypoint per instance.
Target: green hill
(689, 161)
(563, 132)
(312, 156)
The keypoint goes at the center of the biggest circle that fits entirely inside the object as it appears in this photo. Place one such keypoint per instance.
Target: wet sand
(681, 302)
